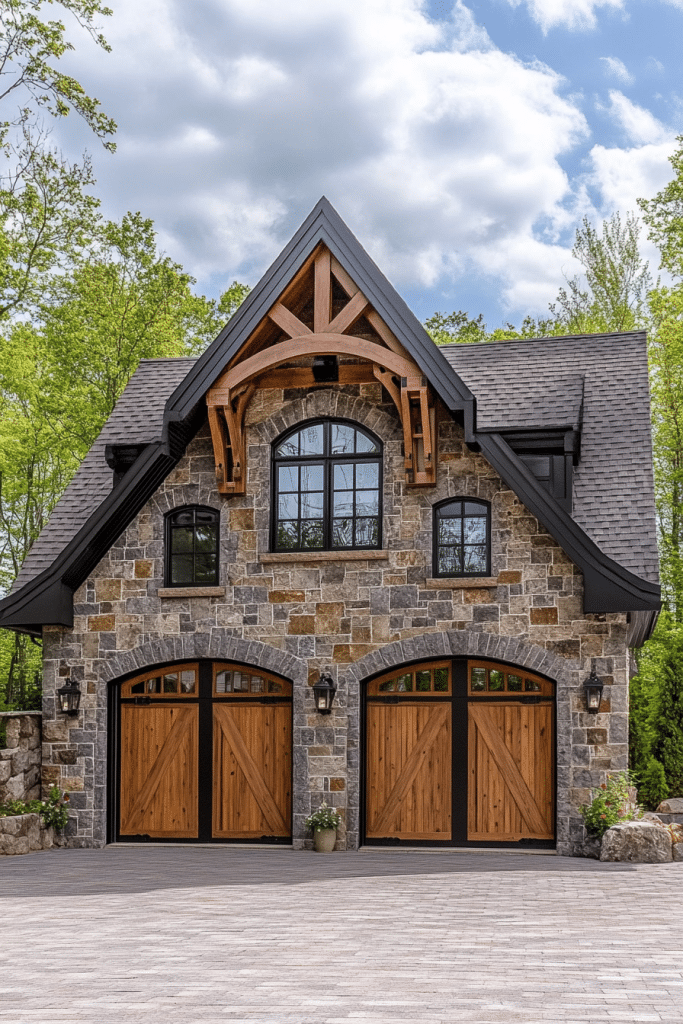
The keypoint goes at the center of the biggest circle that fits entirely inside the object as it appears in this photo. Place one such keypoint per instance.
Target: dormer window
(462, 538)
(326, 488)
(192, 547)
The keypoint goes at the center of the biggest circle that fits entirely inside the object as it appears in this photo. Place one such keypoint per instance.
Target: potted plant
(324, 824)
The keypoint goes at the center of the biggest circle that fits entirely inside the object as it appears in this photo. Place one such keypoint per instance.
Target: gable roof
(164, 402)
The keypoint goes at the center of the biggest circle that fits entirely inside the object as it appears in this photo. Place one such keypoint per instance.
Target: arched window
(192, 547)
(327, 479)
(462, 537)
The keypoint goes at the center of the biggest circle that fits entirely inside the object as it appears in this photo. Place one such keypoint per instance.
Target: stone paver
(168, 934)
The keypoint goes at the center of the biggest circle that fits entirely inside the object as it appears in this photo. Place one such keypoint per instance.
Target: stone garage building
(458, 536)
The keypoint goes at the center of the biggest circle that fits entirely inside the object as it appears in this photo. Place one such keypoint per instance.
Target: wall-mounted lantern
(323, 693)
(69, 697)
(593, 687)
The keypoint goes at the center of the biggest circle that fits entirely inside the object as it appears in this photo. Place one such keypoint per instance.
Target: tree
(613, 294)
(663, 215)
(30, 49)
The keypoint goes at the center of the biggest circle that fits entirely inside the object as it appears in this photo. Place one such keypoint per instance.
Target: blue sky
(462, 143)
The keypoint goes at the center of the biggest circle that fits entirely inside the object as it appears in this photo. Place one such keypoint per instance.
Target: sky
(462, 143)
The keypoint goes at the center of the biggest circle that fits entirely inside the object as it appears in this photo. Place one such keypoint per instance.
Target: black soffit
(48, 598)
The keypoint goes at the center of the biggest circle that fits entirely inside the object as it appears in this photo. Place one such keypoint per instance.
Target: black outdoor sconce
(323, 693)
(593, 687)
(69, 697)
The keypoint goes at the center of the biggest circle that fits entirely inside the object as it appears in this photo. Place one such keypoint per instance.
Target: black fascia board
(608, 586)
(48, 598)
(323, 225)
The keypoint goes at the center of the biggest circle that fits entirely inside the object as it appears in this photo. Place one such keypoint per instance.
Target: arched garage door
(460, 753)
(204, 753)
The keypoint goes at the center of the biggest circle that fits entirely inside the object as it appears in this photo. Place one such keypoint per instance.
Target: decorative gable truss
(322, 330)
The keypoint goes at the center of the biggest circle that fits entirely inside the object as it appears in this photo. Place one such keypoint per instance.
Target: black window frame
(436, 546)
(168, 552)
(329, 461)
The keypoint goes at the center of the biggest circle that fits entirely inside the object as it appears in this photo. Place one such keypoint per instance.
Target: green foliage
(656, 722)
(54, 811)
(613, 802)
(30, 49)
(663, 215)
(613, 294)
(324, 817)
(652, 788)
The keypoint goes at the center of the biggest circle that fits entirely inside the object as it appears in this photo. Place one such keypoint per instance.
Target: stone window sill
(323, 556)
(191, 592)
(460, 583)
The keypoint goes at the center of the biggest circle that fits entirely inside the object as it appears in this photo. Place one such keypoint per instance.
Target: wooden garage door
(252, 770)
(159, 759)
(205, 753)
(408, 794)
(460, 752)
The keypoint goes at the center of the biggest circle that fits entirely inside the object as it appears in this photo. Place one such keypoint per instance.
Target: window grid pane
(330, 504)
(461, 539)
(192, 547)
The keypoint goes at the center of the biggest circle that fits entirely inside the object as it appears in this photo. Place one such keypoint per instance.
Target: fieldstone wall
(20, 760)
(352, 614)
(25, 833)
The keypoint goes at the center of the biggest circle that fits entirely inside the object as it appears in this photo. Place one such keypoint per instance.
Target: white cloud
(639, 125)
(572, 14)
(439, 150)
(617, 69)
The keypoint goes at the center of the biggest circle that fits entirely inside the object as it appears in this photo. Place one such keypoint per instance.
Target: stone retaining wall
(25, 833)
(20, 761)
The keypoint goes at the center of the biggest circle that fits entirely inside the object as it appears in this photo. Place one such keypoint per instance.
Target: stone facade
(20, 760)
(351, 614)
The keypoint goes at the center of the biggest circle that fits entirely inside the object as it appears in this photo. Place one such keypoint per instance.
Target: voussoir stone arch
(337, 405)
(461, 643)
(219, 644)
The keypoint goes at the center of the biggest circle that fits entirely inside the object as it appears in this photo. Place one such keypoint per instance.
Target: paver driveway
(161, 934)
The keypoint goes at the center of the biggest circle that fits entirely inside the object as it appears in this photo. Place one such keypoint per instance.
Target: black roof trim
(48, 599)
(608, 587)
(324, 225)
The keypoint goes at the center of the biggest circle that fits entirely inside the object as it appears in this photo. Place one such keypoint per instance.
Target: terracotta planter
(324, 839)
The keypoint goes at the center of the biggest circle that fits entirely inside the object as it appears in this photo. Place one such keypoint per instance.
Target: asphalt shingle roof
(517, 384)
(522, 384)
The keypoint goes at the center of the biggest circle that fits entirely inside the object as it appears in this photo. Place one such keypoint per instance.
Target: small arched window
(327, 479)
(462, 538)
(192, 547)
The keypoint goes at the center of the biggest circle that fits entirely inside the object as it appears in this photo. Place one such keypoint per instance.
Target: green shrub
(613, 802)
(54, 811)
(652, 788)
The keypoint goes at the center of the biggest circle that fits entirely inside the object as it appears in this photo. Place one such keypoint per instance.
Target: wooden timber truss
(314, 317)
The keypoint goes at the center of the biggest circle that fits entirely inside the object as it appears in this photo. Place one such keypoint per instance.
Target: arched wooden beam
(311, 345)
(410, 393)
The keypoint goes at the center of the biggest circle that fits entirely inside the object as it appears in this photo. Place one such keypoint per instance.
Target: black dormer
(550, 455)
(120, 457)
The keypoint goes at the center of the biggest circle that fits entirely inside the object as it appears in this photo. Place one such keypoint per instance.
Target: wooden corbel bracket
(229, 398)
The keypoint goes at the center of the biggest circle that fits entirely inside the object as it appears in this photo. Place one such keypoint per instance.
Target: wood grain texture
(409, 770)
(252, 767)
(159, 784)
(510, 775)
(289, 323)
(322, 291)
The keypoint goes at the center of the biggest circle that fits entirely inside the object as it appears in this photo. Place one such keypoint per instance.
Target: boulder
(674, 806)
(678, 851)
(640, 842)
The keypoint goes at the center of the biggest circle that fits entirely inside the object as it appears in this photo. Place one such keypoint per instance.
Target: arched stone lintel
(217, 645)
(333, 404)
(462, 643)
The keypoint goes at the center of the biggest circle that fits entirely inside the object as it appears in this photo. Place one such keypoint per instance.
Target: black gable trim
(608, 587)
(324, 225)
